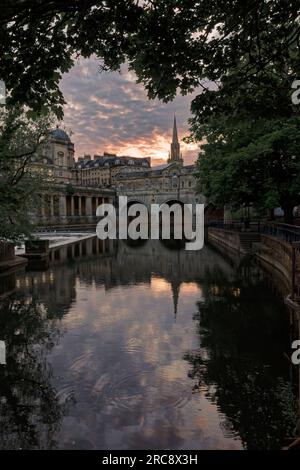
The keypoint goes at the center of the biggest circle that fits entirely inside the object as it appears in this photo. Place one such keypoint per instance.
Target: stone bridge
(148, 197)
(183, 196)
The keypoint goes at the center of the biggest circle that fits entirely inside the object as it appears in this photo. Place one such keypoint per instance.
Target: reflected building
(112, 370)
(114, 264)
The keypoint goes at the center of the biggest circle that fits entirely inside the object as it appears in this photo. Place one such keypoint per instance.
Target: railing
(282, 239)
(67, 220)
(287, 233)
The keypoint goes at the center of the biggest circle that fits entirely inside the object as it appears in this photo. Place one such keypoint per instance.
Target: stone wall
(271, 252)
(7, 251)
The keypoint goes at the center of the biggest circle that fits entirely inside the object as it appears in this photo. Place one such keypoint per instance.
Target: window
(60, 158)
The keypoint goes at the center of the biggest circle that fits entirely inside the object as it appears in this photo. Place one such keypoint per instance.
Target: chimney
(107, 154)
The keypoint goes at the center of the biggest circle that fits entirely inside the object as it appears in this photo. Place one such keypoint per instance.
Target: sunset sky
(110, 112)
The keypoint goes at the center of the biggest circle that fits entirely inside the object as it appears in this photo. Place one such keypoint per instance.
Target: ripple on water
(81, 362)
(149, 389)
(135, 347)
(65, 393)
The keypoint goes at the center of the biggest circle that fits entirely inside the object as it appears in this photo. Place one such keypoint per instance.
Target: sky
(110, 112)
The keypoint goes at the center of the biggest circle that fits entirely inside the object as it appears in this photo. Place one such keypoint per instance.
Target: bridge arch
(126, 218)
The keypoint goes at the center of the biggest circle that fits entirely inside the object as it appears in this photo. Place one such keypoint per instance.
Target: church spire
(175, 156)
(175, 284)
(175, 135)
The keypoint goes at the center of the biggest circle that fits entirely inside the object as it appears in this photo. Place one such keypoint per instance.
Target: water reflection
(242, 362)
(148, 346)
(30, 413)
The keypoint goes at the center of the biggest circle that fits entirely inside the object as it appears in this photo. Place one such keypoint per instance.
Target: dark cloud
(111, 112)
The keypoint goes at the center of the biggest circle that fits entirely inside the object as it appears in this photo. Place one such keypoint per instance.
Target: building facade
(172, 181)
(101, 171)
(65, 199)
(74, 189)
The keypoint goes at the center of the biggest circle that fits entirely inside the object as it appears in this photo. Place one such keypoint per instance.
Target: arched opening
(142, 217)
(172, 217)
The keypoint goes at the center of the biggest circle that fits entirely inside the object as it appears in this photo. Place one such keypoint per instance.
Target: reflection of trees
(29, 410)
(243, 331)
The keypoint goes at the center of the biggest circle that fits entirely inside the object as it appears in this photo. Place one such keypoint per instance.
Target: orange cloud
(111, 112)
(156, 146)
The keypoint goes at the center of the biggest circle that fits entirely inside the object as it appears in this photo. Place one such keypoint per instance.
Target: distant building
(65, 199)
(76, 188)
(171, 180)
(57, 157)
(100, 171)
(175, 155)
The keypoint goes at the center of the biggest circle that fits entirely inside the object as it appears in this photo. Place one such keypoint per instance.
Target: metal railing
(286, 232)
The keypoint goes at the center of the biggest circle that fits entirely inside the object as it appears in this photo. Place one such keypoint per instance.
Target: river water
(144, 346)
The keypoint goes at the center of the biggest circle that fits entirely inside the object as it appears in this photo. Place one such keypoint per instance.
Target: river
(144, 346)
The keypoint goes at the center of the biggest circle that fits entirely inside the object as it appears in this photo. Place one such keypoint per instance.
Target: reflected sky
(118, 369)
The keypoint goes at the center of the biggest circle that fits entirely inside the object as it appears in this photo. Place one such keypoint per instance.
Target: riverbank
(58, 239)
(276, 255)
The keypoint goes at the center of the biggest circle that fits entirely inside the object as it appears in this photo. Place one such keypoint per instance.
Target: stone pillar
(72, 206)
(42, 205)
(51, 206)
(79, 206)
(62, 206)
(88, 206)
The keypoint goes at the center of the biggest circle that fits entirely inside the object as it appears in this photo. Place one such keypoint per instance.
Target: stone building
(65, 200)
(74, 189)
(100, 171)
(171, 181)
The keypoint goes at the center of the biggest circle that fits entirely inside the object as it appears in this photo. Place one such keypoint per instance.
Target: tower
(175, 155)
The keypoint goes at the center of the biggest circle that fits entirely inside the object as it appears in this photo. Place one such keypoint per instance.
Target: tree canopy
(170, 44)
(20, 139)
(256, 164)
(243, 54)
(250, 140)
